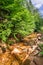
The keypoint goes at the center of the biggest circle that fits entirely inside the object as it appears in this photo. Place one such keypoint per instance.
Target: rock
(20, 52)
(17, 54)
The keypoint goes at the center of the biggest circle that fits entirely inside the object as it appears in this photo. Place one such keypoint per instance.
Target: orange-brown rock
(17, 54)
(22, 52)
(7, 59)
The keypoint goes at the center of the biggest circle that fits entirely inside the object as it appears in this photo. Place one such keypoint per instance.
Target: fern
(16, 19)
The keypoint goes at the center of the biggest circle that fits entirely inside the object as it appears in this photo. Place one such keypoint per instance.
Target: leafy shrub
(17, 19)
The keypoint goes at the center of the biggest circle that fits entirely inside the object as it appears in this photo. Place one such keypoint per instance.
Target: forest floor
(22, 53)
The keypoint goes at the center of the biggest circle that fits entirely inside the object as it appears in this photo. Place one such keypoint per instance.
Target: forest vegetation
(18, 17)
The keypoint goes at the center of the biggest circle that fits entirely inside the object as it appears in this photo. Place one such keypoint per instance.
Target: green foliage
(24, 22)
(41, 47)
(41, 53)
(39, 25)
(17, 19)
